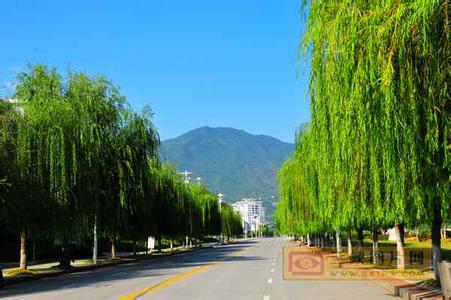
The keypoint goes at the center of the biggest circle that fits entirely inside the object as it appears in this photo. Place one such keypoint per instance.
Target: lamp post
(220, 200)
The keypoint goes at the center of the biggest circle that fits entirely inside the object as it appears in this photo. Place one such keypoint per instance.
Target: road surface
(250, 269)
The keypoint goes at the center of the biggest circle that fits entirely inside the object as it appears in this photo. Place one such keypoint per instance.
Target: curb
(408, 290)
(416, 292)
(17, 280)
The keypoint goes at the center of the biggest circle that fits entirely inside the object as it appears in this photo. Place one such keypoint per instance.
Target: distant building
(14, 101)
(10, 100)
(252, 213)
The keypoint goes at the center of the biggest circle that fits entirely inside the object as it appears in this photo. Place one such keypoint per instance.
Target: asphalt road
(250, 269)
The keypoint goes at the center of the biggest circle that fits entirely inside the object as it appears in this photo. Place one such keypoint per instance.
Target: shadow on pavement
(106, 276)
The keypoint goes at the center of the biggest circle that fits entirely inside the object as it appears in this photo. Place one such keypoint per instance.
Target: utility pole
(220, 200)
(95, 244)
(186, 176)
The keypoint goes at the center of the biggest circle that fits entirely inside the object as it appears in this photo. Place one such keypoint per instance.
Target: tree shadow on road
(155, 269)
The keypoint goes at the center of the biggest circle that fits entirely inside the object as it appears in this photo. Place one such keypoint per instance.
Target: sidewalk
(409, 289)
(49, 268)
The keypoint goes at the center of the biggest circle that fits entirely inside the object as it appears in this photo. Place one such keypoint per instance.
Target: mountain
(230, 161)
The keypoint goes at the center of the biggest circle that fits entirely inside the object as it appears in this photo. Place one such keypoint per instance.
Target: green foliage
(231, 221)
(73, 153)
(377, 151)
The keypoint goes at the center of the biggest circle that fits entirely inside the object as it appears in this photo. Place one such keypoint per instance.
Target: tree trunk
(360, 251)
(159, 243)
(401, 263)
(186, 241)
(95, 242)
(34, 250)
(113, 249)
(23, 250)
(436, 238)
(360, 238)
(172, 246)
(309, 242)
(338, 240)
(375, 246)
(65, 255)
(349, 243)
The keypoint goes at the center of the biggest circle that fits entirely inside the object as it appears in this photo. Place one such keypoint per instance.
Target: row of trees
(77, 162)
(377, 151)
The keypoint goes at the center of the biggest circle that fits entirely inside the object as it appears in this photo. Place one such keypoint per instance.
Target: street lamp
(220, 200)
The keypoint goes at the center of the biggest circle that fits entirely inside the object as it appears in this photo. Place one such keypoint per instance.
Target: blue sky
(216, 63)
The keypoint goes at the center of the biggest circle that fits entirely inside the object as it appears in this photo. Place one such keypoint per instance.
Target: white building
(14, 101)
(252, 213)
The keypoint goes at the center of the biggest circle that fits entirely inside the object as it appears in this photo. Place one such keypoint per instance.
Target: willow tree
(7, 165)
(134, 160)
(7, 148)
(99, 107)
(207, 218)
(37, 141)
(230, 221)
(180, 209)
(169, 205)
(79, 144)
(379, 83)
(299, 209)
(78, 162)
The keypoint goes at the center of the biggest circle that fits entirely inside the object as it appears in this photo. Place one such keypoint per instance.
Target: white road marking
(274, 259)
(266, 297)
(273, 263)
(269, 280)
(272, 270)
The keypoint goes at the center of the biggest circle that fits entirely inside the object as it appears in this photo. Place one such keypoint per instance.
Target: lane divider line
(164, 283)
(176, 278)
